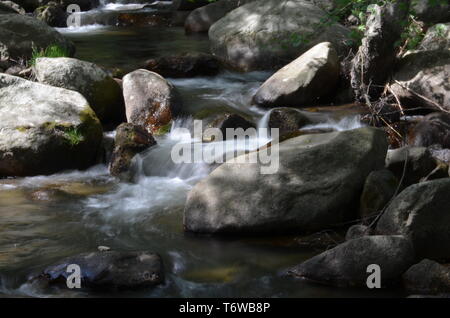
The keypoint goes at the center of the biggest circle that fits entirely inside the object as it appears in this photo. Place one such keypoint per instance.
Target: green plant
(50, 51)
(73, 136)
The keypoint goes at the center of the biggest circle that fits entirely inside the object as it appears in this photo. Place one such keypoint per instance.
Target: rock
(419, 164)
(269, 34)
(130, 140)
(108, 270)
(427, 277)
(188, 64)
(101, 90)
(10, 7)
(20, 33)
(53, 14)
(431, 11)
(287, 120)
(379, 188)
(188, 5)
(436, 38)
(423, 79)
(375, 58)
(85, 5)
(150, 100)
(31, 5)
(317, 182)
(232, 121)
(44, 129)
(432, 130)
(346, 265)
(421, 213)
(357, 231)
(201, 19)
(306, 81)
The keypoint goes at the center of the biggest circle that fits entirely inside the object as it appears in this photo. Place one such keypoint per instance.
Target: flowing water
(46, 218)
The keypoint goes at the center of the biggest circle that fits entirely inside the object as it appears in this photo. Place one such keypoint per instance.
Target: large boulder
(436, 38)
(431, 11)
(150, 100)
(44, 129)
(346, 265)
(19, 34)
(188, 64)
(427, 277)
(107, 270)
(101, 91)
(188, 5)
(423, 79)
(421, 212)
(308, 80)
(201, 19)
(269, 34)
(129, 141)
(318, 181)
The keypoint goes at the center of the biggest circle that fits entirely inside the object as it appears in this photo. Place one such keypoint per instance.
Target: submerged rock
(130, 140)
(346, 265)
(269, 34)
(150, 100)
(421, 212)
(427, 277)
(44, 129)
(306, 81)
(423, 79)
(318, 181)
(101, 91)
(19, 34)
(232, 121)
(188, 64)
(108, 270)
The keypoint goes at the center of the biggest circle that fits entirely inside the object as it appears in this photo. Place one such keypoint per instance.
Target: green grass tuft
(73, 136)
(50, 51)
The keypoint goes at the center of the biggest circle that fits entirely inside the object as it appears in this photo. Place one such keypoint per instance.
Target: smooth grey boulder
(376, 55)
(436, 38)
(316, 185)
(421, 212)
(107, 270)
(346, 265)
(44, 129)
(201, 19)
(150, 100)
(271, 33)
(308, 80)
(357, 231)
(423, 79)
(379, 189)
(427, 277)
(20, 33)
(101, 91)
